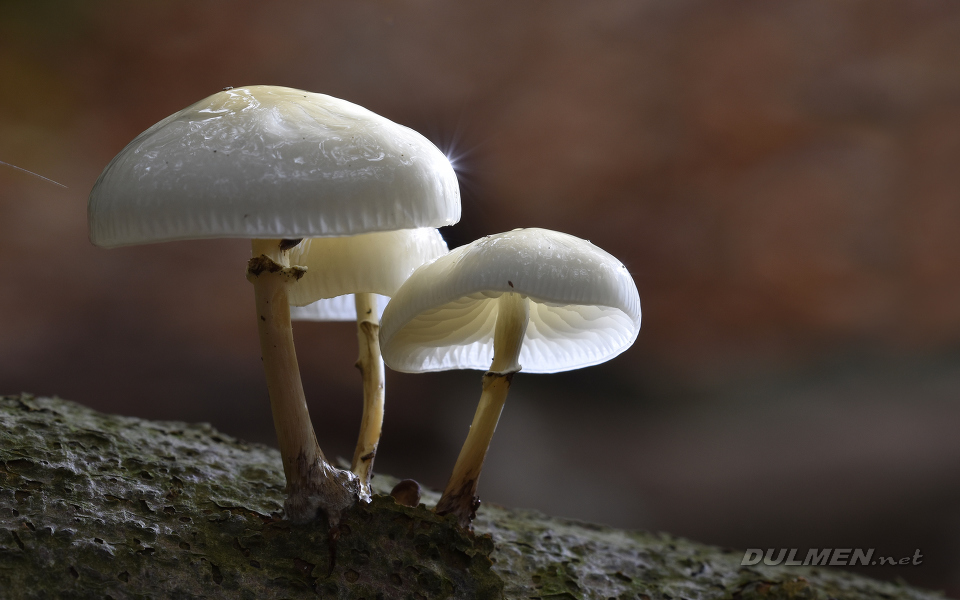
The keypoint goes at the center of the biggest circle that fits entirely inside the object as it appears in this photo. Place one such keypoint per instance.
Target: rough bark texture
(100, 506)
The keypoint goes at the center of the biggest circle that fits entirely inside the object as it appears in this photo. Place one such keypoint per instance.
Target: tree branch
(96, 506)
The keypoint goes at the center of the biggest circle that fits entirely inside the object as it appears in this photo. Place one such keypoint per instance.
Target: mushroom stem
(459, 497)
(312, 483)
(370, 364)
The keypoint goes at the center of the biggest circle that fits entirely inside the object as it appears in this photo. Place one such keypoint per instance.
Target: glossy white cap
(584, 305)
(271, 162)
(375, 263)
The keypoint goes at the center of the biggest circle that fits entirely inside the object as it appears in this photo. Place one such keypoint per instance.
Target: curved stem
(459, 497)
(291, 418)
(312, 483)
(370, 364)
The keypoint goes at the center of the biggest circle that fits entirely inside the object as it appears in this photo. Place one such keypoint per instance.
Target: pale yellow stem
(312, 483)
(270, 277)
(459, 497)
(370, 364)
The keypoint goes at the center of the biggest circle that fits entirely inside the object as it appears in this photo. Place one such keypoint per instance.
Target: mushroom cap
(584, 305)
(341, 308)
(376, 263)
(271, 162)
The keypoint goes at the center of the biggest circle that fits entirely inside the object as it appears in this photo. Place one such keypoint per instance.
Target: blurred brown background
(781, 178)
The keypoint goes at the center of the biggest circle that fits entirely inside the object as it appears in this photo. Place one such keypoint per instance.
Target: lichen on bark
(100, 506)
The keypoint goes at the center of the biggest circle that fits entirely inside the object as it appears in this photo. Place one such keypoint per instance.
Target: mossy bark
(100, 506)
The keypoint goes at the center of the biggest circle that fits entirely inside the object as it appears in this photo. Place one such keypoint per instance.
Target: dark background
(781, 178)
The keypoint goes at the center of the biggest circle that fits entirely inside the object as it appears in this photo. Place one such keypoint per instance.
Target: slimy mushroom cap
(584, 305)
(271, 162)
(376, 263)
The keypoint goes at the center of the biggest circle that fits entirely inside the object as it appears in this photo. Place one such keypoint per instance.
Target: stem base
(321, 487)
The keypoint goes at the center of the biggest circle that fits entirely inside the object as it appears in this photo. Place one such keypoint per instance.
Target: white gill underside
(459, 335)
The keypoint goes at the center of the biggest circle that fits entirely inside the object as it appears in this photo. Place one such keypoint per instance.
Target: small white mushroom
(274, 165)
(351, 278)
(541, 299)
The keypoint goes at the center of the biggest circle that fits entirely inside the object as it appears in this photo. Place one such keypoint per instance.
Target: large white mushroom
(274, 165)
(541, 299)
(353, 277)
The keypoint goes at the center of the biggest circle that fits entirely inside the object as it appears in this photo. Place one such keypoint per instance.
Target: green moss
(96, 506)
(557, 581)
(99, 506)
